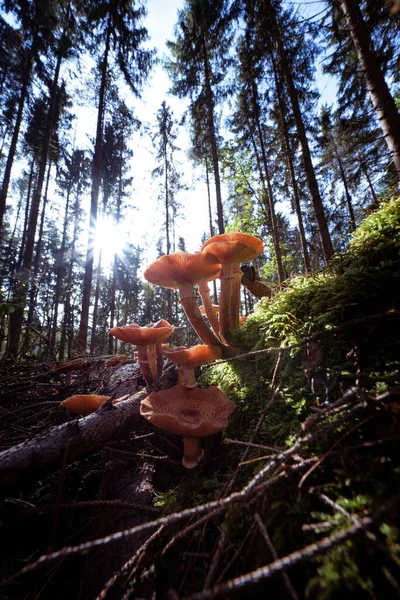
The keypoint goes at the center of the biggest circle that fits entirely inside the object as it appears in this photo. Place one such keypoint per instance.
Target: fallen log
(70, 441)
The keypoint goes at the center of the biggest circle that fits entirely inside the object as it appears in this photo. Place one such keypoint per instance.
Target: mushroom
(189, 358)
(71, 365)
(155, 351)
(190, 412)
(84, 404)
(115, 360)
(144, 338)
(181, 271)
(231, 249)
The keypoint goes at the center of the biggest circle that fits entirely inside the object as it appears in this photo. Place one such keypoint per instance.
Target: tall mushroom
(190, 412)
(231, 249)
(143, 338)
(188, 359)
(181, 271)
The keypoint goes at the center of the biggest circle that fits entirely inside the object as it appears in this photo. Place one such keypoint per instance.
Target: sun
(111, 240)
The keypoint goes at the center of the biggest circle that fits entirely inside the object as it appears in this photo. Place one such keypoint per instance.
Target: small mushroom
(189, 358)
(190, 412)
(71, 365)
(115, 360)
(144, 338)
(84, 404)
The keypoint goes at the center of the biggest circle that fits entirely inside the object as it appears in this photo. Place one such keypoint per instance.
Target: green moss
(343, 309)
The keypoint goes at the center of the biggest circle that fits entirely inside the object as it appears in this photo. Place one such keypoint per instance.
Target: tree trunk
(382, 100)
(67, 325)
(59, 268)
(17, 316)
(346, 188)
(270, 194)
(34, 279)
(96, 305)
(371, 187)
(289, 156)
(306, 154)
(213, 138)
(17, 126)
(210, 220)
(26, 217)
(96, 176)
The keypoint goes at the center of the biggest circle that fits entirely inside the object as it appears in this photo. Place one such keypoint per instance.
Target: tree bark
(96, 176)
(17, 126)
(60, 271)
(17, 316)
(382, 100)
(213, 138)
(289, 156)
(318, 207)
(269, 191)
(34, 279)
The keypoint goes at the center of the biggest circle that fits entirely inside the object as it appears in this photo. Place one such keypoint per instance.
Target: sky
(145, 221)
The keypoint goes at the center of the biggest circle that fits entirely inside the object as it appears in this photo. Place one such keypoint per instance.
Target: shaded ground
(301, 500)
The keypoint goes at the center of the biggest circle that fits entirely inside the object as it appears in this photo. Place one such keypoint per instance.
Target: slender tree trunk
(96, 176)
(210, 221)
(382, 100)
(289, 156)
(59, 268)
(26, 217)
(17, 126)
(270, 194)
(306, 154)
(213, 138)
(17, 316)
(346, 188)
(34, 279)
(167, 226)
(67, 328)
(371, 187)
(93, 340)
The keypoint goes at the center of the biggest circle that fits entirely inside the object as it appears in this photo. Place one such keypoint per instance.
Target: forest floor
(300, 500)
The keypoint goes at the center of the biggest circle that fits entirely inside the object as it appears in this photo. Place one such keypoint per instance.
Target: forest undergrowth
(301, 499)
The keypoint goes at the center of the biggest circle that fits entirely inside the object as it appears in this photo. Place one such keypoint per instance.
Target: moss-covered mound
(317, 402)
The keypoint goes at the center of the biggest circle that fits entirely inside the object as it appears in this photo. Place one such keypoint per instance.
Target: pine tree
(200, 58)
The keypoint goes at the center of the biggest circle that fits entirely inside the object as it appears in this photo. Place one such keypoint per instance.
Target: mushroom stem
(225, 298)
(186, 377)
(204, 291)
(192, 452)
(152, 356)
(188, 300)
(143, 360)
(160, 359)
(235, 299)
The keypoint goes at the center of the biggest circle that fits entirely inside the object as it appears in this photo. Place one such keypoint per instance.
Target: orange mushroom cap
(190, 412)
(84, 404)
(236, 236)
(179, 268)
(193, 357)
(140, 336)
(235, 251)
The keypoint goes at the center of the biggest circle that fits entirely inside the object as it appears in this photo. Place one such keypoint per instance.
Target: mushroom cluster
(185, 409)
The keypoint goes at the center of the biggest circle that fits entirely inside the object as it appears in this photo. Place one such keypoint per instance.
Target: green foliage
(338, 306)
